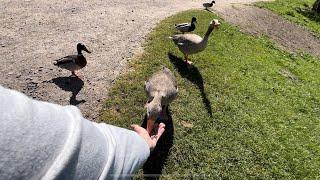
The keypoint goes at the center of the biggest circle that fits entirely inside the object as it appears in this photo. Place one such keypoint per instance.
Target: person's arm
(40, 139)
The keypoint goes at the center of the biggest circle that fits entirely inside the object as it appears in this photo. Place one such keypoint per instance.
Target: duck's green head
(194, 20)
(81, 47)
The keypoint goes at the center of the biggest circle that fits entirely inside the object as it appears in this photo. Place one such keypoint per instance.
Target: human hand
(151, 140)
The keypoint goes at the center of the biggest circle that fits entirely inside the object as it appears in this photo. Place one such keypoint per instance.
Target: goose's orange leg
(186, 60)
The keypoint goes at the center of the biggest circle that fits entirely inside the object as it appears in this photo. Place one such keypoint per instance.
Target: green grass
(265, 104)
(298, 11)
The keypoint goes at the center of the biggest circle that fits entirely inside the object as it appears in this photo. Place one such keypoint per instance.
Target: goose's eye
(150, 99)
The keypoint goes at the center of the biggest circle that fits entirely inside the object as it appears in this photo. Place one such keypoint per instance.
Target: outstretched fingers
(160, 130)
(151, 140)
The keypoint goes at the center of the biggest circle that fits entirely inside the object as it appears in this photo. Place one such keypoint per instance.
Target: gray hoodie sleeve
(39, 140)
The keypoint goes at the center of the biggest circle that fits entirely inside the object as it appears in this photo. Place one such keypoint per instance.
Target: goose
(187, 27)
(208, 5)
(161, 89)
(192, 43)
(73, 62)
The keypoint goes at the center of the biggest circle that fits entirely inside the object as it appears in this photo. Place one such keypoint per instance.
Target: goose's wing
(171, 90)
(170, 75)
(186, 39)
(147, 86)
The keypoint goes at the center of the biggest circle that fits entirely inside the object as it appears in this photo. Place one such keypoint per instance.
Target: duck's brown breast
(81, 61)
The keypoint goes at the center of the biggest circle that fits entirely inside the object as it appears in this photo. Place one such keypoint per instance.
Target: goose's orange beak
(150, 124)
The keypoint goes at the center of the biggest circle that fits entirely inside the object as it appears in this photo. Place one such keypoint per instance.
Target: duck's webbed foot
(76, 75)
(188, 63)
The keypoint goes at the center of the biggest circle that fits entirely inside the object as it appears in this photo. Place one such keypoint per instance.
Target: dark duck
(208, 5)
(187, 27)
(73, 62)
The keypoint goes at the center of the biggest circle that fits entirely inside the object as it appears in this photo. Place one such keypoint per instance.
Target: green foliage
(298, 11)
(265, 105)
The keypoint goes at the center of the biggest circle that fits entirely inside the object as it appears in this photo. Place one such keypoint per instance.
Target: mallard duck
(192, 43)
(208, 5)
(161, 89)
(187, 27)
(73, 62)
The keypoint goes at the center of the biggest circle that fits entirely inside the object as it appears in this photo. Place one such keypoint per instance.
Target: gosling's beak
(150, 124)
(196, 22)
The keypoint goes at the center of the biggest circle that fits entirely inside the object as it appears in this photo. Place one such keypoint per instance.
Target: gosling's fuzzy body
(162, 84)
(161, 89)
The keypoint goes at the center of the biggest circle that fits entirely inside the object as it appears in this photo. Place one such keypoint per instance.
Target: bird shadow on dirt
(194, 76)
(71, 84)
(152, 169)
(206, 9)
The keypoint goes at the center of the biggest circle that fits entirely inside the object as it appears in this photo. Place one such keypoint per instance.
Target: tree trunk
(316, 6)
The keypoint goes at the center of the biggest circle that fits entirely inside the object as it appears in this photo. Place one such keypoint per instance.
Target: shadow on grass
(309, 13)
(192, 75)
(152, 169)
(72, 84)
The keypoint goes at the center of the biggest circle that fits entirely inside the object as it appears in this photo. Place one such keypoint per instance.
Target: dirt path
(256, 21)
(33, 33)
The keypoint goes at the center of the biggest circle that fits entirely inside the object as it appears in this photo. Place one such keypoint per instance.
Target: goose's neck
(206, 36)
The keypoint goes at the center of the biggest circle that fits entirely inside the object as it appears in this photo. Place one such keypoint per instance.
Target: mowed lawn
(298, 11)
(246, 109)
